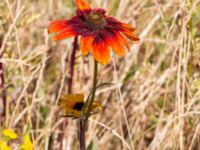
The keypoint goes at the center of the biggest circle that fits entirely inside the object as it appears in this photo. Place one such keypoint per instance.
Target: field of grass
(153, 102)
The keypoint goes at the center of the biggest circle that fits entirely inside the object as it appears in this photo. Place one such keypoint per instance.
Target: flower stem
(2, 86)
(70, 82)
(72, 63)
(87, 109)
(81, 135)
(90, 101)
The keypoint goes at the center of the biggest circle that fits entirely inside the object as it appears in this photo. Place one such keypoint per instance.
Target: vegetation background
(154, 102)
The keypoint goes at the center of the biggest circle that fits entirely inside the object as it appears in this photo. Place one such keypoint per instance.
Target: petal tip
(82, 5)
(103, 62)
(84, 54)
(54, 39)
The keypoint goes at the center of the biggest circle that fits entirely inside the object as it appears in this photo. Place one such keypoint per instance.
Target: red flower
(98, 31)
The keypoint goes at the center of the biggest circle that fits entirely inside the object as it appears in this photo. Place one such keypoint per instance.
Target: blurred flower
(27, 144)
(98, 31)
(9, 134)
(4, 146)
(72, 104)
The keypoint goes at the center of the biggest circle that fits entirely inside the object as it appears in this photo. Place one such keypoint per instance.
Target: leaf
(100, 86)
(104, 84)
(93, 144)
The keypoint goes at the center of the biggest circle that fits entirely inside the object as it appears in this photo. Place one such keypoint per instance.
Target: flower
(72, 105)
(27, 144)
(4, 146)
(98, 31)
(9, 134)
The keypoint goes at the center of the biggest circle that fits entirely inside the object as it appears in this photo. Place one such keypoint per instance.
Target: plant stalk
(2, 86)
(86, 110)
(70, 81)
(89, 103)
(72, 64)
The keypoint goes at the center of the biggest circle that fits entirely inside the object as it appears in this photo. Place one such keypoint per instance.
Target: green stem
(89, 103)
(87, 109)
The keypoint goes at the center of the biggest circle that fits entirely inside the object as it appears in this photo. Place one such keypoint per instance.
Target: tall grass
(154, 102)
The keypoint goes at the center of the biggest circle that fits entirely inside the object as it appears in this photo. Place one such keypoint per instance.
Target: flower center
(78, 106)
(95, 20)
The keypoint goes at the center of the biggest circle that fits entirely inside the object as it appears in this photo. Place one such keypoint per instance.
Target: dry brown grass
(154, 102)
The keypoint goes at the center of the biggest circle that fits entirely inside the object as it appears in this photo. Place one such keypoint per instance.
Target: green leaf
(100, 86)
(104, 84)
(93, 144)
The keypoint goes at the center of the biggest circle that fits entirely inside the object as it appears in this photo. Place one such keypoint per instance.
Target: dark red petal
(100, 50)
(82, 5)
(85, 43)
(117, 25)
(113, 41)
(99, 10)
(58, 25)
(113, 23)
(77, 21)
(78, 24)
(66, 33)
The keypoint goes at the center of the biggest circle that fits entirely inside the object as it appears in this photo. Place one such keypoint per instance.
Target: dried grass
(154, 102)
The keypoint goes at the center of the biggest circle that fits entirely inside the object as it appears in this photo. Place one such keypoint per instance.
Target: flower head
(4, 146)
(71, 105)
(97, 31)
(27, 144)
(9, 134)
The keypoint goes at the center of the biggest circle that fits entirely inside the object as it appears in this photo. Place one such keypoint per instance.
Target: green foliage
(93, 144)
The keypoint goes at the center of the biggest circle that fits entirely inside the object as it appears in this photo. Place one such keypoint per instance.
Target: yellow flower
(27, 144)
(4, 146)
(9, 134)
(72, 104)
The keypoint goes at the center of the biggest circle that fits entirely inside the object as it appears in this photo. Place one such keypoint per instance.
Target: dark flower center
(95, 20)
(78, 106)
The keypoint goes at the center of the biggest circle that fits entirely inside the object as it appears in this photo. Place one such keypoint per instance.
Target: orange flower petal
(128, 27)
(82, 5)
(112, 40)
(66, 33)
(85, 43)
(100, 51)
(131, 35)
(117, 47)
(123, 40)
(56, 26)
